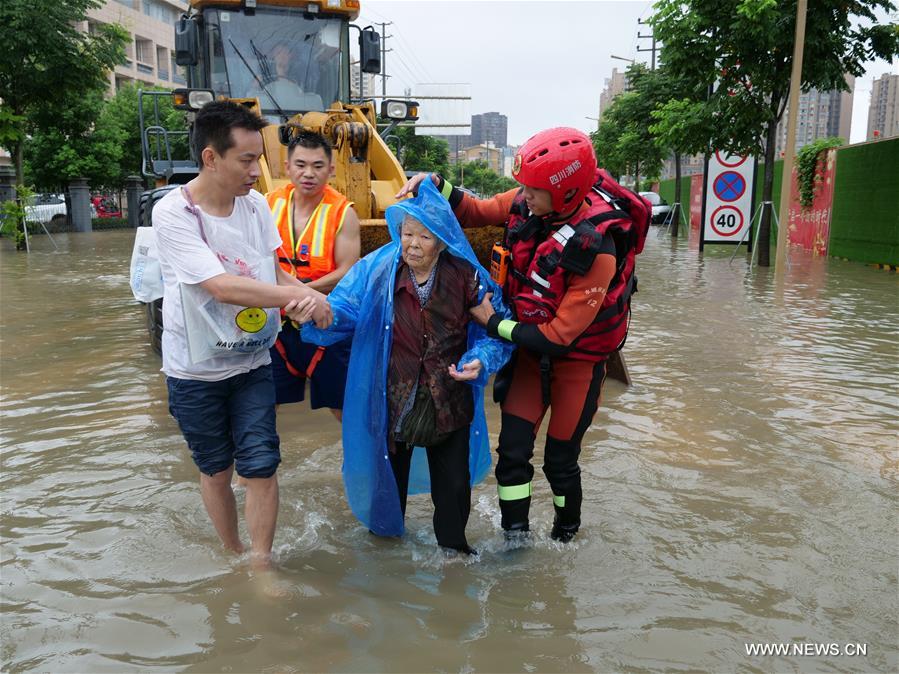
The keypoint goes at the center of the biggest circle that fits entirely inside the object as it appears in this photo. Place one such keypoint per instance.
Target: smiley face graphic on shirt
(251, 319)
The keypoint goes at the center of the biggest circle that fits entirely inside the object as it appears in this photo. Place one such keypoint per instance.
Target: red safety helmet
(557, 160)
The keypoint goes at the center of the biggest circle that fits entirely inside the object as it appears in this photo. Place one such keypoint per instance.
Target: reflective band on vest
(559, 501)
(311, 255)
(515, 492)
(564, 233)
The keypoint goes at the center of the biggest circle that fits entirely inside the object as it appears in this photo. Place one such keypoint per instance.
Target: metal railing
(156, 141)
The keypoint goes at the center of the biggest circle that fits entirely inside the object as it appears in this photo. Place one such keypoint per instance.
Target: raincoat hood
(362, 303)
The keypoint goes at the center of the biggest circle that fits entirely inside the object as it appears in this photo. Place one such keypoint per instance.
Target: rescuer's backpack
(621, 198)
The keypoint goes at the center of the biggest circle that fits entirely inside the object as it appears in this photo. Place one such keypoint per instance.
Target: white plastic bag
(217, 329)
(146, 274)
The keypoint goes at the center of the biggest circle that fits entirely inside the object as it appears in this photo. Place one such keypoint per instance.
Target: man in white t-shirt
(216, 246)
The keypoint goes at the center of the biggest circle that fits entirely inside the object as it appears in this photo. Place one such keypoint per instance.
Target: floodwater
(742, 491)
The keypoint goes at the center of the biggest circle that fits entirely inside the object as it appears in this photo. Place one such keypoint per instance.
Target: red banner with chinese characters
(810, 226)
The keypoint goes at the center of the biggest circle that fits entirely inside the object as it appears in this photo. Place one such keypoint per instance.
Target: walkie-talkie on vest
(500, 259)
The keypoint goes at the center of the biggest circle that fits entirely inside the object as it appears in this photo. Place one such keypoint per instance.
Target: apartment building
(362, 84)
(614, 86)
(150, 54)
(821, 114)
(488, 153)
(489, 127)
(883, 112)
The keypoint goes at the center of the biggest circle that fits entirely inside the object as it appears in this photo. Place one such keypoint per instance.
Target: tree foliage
(97, 139)
(419, 153)
(624, 142)
(480, 178)
(741, 54)
(807, 162)
(46, 65)
(78, 144)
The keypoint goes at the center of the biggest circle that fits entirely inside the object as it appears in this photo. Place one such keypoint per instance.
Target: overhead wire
(415, 70)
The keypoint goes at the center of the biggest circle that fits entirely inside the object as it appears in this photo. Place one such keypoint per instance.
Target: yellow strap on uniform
(346, 206)
(309, 222)
(278, 209)
(559, 501)
(514, 492)
(318, 233)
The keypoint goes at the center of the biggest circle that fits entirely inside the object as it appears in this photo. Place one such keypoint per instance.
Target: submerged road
(742, 492)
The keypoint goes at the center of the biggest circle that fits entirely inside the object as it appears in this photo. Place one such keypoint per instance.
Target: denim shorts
(229, 421)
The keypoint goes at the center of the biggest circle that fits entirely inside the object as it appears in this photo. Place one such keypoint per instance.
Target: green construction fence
(864, 222)
(666, 191)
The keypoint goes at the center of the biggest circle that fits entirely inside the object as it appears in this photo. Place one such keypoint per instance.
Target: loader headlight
(192, 99)
(400, 110)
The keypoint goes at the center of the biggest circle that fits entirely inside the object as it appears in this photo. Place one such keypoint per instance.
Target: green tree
(46, 64)
(623, 141)
(746, 49)
(98, 139)
(81, 142)
(121, 111)
(419, 153)
(681, 126)
(479, 177)
(605, 143)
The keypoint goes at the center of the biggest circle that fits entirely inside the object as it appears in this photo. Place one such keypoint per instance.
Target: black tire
(148, 200)
(154, 325)
(153, 309)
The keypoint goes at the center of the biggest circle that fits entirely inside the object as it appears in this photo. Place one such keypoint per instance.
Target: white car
(46, 208)
(660, 207)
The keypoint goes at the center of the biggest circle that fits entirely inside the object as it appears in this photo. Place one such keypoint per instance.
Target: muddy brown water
(742, 491)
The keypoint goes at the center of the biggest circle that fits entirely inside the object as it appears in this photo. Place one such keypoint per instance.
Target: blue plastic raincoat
(363, 309)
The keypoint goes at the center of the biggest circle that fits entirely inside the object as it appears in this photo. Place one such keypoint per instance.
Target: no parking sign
(727, 198)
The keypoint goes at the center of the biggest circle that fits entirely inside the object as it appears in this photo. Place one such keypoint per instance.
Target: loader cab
(292, 59)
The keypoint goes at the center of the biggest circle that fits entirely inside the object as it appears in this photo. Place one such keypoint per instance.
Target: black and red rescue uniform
(569, 286)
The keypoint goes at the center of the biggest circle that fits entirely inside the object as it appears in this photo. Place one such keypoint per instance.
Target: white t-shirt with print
(185, 258)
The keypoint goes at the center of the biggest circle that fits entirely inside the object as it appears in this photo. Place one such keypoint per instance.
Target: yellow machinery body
(366, 171)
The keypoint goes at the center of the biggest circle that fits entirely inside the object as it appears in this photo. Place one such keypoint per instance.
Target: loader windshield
(293, 62)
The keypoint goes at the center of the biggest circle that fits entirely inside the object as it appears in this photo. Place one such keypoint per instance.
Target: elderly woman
(417, 371)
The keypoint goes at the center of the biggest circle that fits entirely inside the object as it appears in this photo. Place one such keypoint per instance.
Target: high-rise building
(821, 114)
(362, 84)
(490, 127)
(150, 52)
(883, 113)
(615, 85)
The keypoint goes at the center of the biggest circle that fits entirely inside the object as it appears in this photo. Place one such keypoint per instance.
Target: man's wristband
(497, 326)
(450, 193)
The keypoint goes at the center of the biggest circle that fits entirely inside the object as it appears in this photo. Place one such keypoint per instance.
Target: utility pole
(786, 196)
(641, 36)
(384, 51)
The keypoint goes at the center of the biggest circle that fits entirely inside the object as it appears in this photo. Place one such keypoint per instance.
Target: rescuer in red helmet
(566, 265)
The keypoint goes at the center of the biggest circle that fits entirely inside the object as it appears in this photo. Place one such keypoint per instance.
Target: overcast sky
(540, 63)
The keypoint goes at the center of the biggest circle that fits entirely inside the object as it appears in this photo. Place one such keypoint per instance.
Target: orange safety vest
(311, 255)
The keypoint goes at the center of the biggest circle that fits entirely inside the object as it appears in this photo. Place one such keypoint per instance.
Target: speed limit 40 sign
(727, 197)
